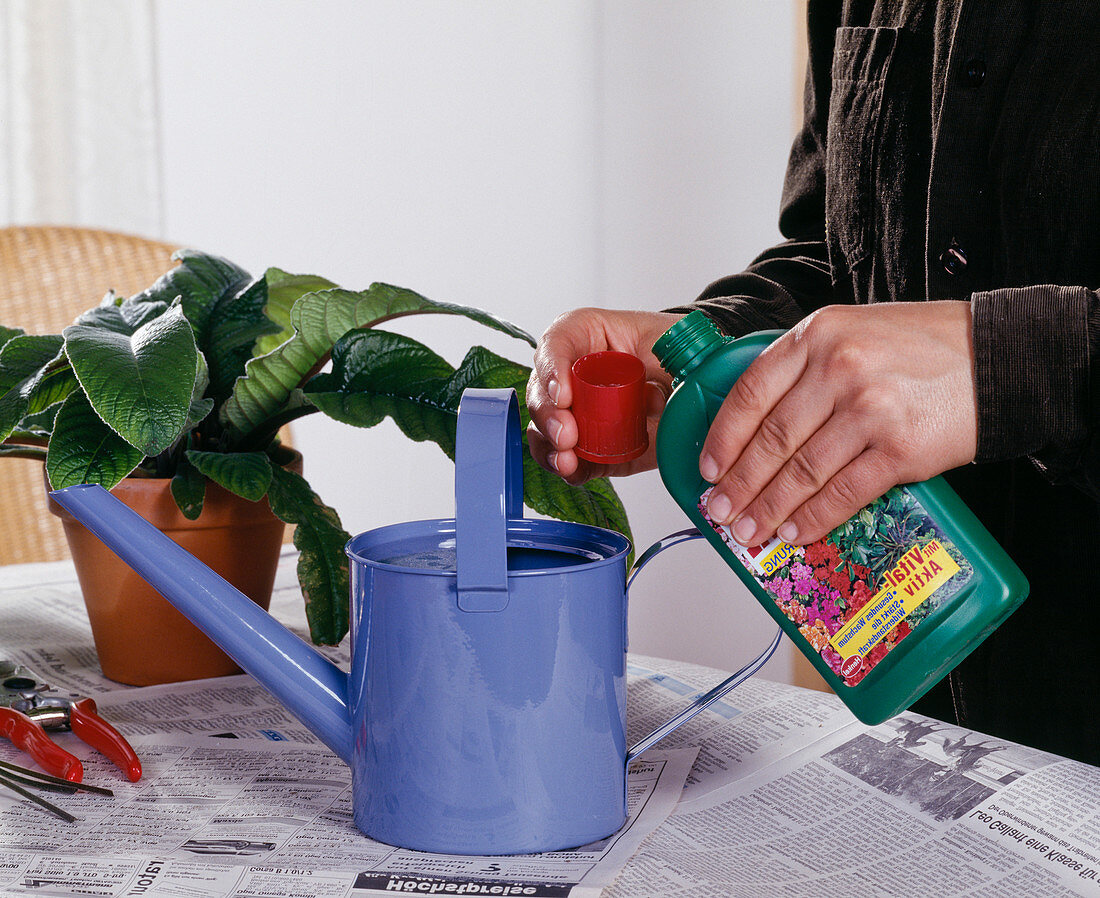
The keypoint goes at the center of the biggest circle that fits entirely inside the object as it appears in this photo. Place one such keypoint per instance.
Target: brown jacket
(951, 150)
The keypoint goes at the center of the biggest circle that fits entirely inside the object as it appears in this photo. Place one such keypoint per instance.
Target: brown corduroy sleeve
(1032, 351)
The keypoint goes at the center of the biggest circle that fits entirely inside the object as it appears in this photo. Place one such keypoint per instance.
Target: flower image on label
(922, 571)
(855, 594)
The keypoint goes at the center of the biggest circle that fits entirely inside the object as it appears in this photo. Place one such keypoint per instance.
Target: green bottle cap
(684, 346)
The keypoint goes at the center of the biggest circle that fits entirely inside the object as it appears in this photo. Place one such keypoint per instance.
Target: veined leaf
(594, 502)
(39, 424)
(319, 320)
(141, 385)
(322, 564)
(107, 315)
(22, 359)
(283, 290)
(24, 355)
(199, 407)
(235, 324)
(377, 374)
(201, 281)
(332, 313)
(53, 383)
(248, 474)
(85, 450)
(136, 314)
(224, 305)
(188, 489)
(6, 333)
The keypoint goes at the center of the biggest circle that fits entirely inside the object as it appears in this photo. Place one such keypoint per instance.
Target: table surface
(789, 794)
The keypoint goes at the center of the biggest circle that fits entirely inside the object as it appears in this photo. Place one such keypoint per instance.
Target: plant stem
(16, 451)
(261, 437)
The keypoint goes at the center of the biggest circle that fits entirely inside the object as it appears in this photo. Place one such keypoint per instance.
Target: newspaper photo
(913, 807)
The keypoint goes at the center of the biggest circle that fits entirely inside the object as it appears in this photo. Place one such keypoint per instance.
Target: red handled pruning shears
(28, 711)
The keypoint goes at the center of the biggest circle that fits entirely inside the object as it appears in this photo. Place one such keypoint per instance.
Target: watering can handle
(488, 491)
(703, 700)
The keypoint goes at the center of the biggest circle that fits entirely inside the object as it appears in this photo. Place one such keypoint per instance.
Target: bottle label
(857, 593)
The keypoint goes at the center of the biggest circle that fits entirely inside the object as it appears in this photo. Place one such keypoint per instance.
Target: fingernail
(718, 507)
(743, 529)
(552, 460)
(553, 388)
(708, 467)
(554, 427)
(787, 532)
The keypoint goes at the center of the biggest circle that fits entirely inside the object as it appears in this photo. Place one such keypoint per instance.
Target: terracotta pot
(140, 638)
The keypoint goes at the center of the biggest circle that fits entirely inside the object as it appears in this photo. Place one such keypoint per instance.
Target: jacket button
(953, 259)
(974, 73)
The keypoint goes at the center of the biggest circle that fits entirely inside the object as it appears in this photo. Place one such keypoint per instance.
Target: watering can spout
(309, 685)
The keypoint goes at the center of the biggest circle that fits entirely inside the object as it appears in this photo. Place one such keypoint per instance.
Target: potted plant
(182, 389)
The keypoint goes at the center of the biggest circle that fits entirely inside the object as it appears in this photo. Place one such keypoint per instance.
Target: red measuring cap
(609, 406)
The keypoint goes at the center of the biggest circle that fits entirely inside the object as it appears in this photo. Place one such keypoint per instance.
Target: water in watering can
(520, 558)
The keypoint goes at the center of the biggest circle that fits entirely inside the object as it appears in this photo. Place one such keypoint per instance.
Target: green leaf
(319, 320)
(283, 290)
(135, 314)
(322, 564)
(85, 450)
(201, 281)
(141, 385)
(376, 374)
(224, 305)
(7, 333)
(335, 312)
(24, 355)
(22, 361)
(106, 315)
(248, 474)
(38, 423)
(199, 407)
(53, 383)
(188, 489)
(124, 316)
(235, 324)
(594, 502)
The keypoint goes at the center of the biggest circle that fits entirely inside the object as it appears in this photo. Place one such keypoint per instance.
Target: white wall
(524, 157)
(695, 130)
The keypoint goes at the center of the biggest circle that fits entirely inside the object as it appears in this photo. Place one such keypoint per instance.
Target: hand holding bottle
(913, 565)
(850, 402)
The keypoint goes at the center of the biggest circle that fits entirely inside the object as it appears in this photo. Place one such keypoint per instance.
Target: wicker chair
(48, 276)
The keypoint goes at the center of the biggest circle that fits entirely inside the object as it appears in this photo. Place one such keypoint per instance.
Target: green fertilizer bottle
(887, 603)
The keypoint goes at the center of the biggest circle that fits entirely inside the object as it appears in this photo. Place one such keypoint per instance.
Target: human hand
(552, 435)
(850, 402)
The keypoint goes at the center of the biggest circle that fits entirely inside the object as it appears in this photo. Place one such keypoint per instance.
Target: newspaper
(788, 796)
(249, 817)
(914, 807)
(37, 599)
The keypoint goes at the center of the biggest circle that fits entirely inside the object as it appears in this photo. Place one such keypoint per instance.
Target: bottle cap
(609, 405)
(683, 346)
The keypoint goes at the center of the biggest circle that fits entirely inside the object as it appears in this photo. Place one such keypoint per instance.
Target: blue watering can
(485, 710)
